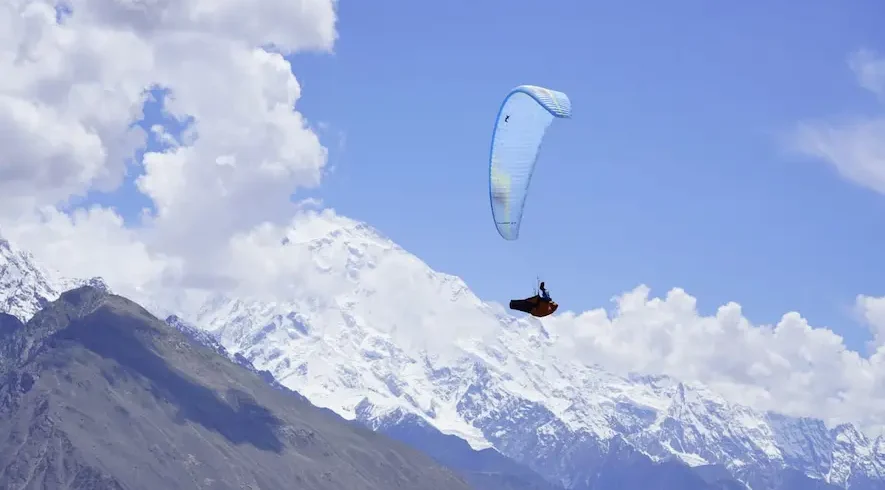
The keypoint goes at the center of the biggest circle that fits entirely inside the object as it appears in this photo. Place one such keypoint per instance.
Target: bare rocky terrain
(95, 393)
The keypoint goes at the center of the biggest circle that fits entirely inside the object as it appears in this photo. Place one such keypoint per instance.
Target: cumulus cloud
(94, 242)
(872, 312)
(64, 108)
(855, 147)
(790, 367)
(75, 81)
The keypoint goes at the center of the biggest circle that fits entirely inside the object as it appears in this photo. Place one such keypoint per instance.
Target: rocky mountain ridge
(95, 393)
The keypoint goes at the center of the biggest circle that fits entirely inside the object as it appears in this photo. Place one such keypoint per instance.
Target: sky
(675, 170)
(733, 151)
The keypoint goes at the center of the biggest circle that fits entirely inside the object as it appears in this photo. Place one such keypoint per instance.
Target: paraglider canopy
(522, 122)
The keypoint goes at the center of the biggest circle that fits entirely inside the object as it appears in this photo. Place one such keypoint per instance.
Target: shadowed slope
(97, 393)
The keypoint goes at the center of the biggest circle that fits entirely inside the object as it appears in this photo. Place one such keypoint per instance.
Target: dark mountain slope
(96, 393)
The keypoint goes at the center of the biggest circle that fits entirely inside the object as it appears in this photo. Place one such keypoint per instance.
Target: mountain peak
(26, 286)
(327, 227)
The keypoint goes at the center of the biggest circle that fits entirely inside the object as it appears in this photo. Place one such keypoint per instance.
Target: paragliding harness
(537, 305)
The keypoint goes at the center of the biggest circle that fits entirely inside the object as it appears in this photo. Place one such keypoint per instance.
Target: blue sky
(673, 171)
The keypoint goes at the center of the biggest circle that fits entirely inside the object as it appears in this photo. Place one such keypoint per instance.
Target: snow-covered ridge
(25, 286)
(497, 384)
(475, 371)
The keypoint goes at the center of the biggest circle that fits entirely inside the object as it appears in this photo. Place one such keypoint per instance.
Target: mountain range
(497, 404)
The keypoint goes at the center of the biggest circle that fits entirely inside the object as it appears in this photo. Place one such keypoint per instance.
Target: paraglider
(522, 122)
(537, 305)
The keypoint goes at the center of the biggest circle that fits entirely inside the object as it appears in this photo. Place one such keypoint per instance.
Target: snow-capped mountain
(469, 369)
(26, 286)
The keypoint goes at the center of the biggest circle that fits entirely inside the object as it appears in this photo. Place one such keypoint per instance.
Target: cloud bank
(790, 367)
(75, 80)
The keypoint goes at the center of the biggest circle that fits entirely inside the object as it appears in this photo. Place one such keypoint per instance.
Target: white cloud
(69, 93)
(66, 96)
(872, 312)
(71, 90)
(94, 242)
(855, 148)
(789, 367)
